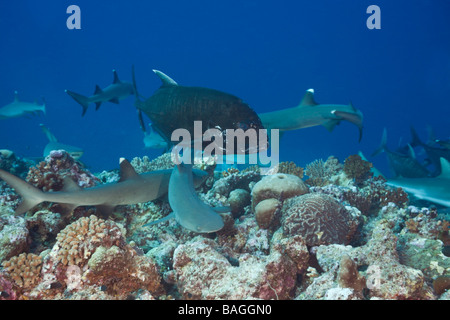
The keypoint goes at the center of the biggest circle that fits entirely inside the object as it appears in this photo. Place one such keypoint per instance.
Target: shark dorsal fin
(126, 170)
(48, 134)
(445, 169)
(16, 96)
(69, 185)
(116, 77)
(308, 99)
(98, 90)
(411, 152)
(166, 80)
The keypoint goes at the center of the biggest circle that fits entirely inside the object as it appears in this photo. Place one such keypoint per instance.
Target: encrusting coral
(49, 175)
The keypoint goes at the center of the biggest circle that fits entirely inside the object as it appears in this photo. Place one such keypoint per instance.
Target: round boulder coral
(319, 219)
(265, 212)
(278, 186)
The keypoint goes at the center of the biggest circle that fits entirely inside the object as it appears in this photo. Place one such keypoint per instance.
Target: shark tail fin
(382, 146)
(43, 106)
(31, 196)
(82, 100)
(415, 140)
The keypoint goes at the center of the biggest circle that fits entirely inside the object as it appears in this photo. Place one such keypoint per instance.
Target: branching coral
(356, 168)
(289, 167)
(24, 269)
(317, 173)
(78, 241)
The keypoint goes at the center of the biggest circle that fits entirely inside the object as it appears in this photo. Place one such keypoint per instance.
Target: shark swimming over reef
(404, 165)
(188, 210)
(172, 107)
(309, 113)
(132, 188)
(116, 91)
(436, 189)
(19, 108)
(434, 153)
(53, 144)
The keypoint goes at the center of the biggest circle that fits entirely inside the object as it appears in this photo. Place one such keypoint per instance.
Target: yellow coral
(78, 241)
(24, 269)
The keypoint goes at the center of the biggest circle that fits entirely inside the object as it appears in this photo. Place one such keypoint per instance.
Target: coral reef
(341, 235)
(9, 161)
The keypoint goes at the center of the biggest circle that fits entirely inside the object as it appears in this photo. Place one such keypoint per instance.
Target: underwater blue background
(265, 52)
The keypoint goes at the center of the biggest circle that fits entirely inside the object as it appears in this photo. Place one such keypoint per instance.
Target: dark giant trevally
(173, 106)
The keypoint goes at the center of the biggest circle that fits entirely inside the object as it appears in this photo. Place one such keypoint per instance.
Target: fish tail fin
(382, 146)
(82, 100)
(44, 106)
(137, 101)
(133, 76)
(415, 140)
(31, 196)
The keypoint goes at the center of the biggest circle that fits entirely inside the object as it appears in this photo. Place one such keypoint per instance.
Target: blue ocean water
(266, 52)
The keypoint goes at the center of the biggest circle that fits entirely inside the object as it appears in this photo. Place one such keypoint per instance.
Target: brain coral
(79, 240)
(319, 219)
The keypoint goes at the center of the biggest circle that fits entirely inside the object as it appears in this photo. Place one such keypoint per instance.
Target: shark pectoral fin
(166, 218)
(223, 209)
(445, 168)
(330, 124)
(66, 208)
(114, 100)
(126, 170)
(105, 210)
(25, 205)
(97, 105)
(69, 185)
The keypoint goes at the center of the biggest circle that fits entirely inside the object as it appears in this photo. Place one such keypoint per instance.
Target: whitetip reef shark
(405, 165)
(436, 189)
(19, 108)
(187, 209)
(116, 91)
(53, 144)
(132, 188)
(309, 113)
